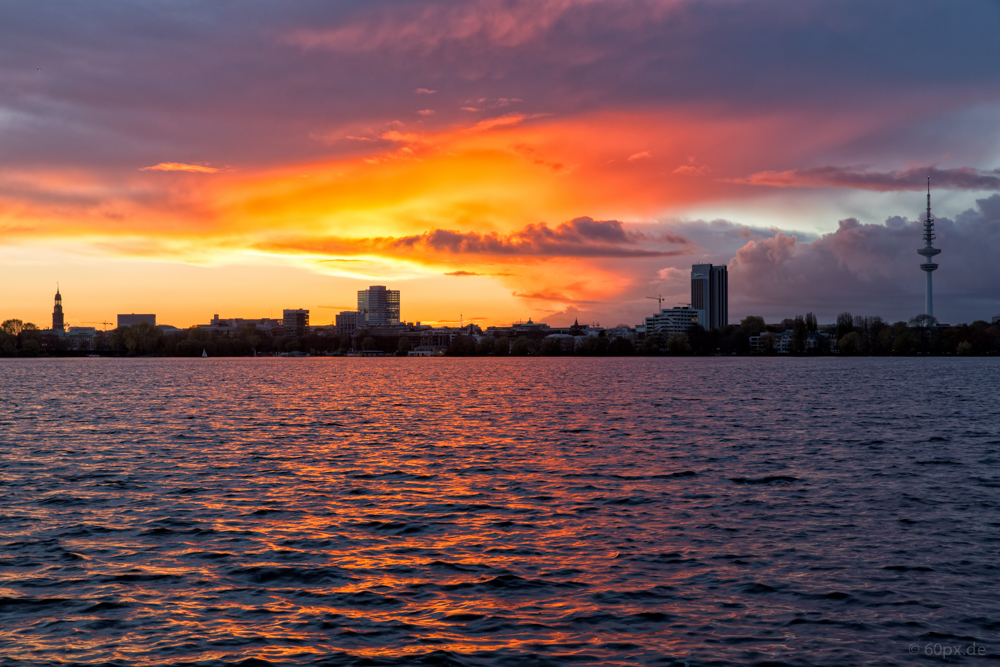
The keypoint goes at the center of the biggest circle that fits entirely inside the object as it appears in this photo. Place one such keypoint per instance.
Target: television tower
(929, 251)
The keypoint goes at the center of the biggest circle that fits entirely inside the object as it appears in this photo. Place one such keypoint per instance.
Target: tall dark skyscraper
(710, 294)
(57, 313)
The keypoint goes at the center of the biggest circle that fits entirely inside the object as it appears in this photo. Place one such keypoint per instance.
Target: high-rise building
(294, 322)
(132, 318)
(57, 313)
(378, 306)
(710, 295)
(929, 251)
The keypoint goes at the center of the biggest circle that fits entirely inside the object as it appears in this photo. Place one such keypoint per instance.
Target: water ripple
(499, 511)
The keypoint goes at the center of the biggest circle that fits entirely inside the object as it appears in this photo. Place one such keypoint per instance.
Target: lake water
(485, 511)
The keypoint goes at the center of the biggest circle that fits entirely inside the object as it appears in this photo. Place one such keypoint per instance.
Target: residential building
(777, 342)
(133, 318)
(237, 323)
(535, 330)
(782, 343)
(378, 306)
(821, 341)
(625, 332)
(710, 295)
(295, 321)
(79, 338)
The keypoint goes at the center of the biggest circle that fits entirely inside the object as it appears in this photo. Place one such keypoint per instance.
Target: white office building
(673, 321)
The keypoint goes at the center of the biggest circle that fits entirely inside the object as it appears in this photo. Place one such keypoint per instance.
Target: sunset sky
(496, 160)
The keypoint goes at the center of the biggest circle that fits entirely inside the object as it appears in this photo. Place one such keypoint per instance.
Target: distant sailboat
(204, 352)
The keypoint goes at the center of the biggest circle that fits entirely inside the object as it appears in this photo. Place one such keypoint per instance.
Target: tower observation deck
(928, 252)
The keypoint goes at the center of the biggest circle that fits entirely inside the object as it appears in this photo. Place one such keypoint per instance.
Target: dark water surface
(500, 511)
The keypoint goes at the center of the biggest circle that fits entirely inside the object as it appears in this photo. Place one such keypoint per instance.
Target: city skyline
(378, 306)
(559, 161)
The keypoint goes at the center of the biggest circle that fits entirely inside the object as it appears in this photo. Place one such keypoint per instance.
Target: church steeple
(57, 312)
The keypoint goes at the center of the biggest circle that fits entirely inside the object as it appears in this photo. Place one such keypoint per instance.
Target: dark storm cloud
(582, 237)
(125, 85)
(872, 269)
(862, 179)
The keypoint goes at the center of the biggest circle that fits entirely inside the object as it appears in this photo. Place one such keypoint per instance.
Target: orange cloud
(490, 197)
(582, 237)
(691, 170)
(180, 166)
(506, 120)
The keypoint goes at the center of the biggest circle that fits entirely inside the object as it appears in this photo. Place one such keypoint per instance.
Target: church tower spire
(57, 313)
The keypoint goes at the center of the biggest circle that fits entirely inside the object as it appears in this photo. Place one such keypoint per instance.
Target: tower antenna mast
(928, 252)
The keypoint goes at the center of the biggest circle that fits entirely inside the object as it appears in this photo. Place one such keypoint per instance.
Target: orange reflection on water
(544, 508)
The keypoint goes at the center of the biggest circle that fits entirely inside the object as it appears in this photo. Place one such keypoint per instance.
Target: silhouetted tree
(753, 325)
(678, 344)
(652, 345)
(845, 324)
(700, 340)
(594, 346)
(849, 343)
(462, 346)
(923, 321)
(404, 346)
(8, 345)
(621, 347)
(800, 334)
(486, 346)
(552, 347)
(12, 327)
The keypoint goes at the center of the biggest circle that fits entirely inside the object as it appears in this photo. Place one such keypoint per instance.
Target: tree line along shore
(851, 336)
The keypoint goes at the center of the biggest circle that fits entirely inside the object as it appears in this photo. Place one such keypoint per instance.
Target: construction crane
(658, 299)
(104, 323)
